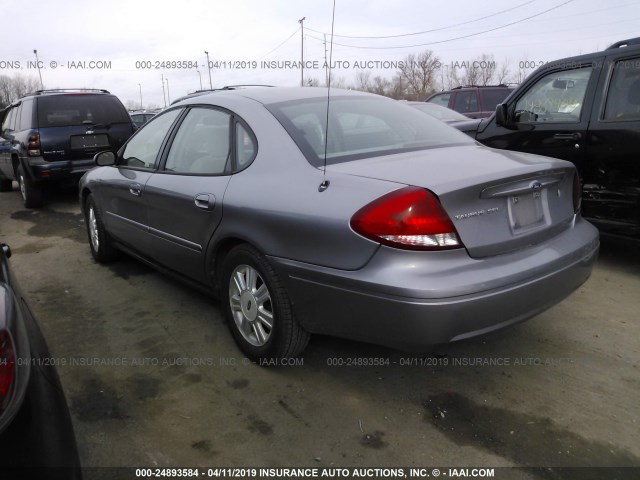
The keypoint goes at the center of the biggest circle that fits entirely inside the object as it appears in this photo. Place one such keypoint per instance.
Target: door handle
(206, 201)
(568, 136)
(135, 189)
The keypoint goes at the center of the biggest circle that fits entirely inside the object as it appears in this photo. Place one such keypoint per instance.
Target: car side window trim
(232, 167)
(162, 148)
(611, 64)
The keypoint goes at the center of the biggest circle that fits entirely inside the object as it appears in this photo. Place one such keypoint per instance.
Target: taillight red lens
(7, 363)
(410, 218)
(33, 147)
(577, 193)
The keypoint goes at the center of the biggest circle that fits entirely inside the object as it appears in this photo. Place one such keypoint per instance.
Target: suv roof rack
(230, 87)
(625, 43)
(62, 90)
(479, 86)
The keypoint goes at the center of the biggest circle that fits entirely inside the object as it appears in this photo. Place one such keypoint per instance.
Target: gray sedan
(369, 221)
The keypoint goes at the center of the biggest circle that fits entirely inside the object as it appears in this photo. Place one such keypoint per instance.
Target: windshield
(80, 109)
(360, 127)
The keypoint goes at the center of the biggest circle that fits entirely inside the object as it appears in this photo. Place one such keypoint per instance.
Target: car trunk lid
(499, 201)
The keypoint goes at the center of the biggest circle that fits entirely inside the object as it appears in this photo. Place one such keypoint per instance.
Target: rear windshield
(80, 109)
(360, 127)
(492, 98)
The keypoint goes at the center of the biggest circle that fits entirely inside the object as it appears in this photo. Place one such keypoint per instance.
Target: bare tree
(23, 85)
(337, 82)
(379, 85)
(522, 72)
(12, 88)
(502, 73)
(398, 88)
(418, 72)
(6, 95)
(487, 68)
(363, 80)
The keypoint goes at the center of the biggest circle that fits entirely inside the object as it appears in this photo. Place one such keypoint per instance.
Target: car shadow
(620, 253)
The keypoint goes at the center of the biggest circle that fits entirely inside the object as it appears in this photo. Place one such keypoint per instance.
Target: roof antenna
(325, 183)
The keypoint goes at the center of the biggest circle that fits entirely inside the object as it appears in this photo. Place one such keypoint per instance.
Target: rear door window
(623, 98)
(466, 102)
(9, 121)
(494, 97)
(201, 146)
(26, 118)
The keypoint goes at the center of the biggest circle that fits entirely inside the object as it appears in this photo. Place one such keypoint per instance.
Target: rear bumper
(411, 300)
(43, 171)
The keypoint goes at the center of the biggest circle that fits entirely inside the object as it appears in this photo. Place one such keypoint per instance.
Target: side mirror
(502, 115)
(104, 159)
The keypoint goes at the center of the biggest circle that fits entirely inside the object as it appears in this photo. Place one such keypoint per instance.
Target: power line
(429, 31)
(288, 38)
(455, 38)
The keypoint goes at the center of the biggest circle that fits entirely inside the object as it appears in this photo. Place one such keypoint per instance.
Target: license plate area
(79, 142)
(526, 211)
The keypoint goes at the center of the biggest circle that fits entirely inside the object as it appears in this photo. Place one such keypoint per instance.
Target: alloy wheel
(251, 305)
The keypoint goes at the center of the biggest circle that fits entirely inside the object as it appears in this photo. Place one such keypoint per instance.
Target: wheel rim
(23, 189)
(93, 230)
(251, 305)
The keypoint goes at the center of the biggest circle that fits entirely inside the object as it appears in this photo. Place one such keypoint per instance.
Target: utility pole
(209, 68)
(200, 75)
(301, 22)
(39, 72)
(140, 85)
(168, 97)
(163, 97)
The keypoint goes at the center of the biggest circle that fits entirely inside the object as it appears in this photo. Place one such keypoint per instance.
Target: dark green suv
(51, 136)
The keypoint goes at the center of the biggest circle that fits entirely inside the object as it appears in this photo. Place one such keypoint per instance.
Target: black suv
(584, 109)
(52, 135)
(473, 101)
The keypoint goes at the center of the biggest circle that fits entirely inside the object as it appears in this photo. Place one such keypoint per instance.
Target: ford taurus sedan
(357, 217)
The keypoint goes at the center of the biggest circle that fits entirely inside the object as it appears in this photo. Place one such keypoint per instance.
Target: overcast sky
(245, 33)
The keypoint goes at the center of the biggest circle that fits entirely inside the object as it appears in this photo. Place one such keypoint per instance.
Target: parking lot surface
(153, 377)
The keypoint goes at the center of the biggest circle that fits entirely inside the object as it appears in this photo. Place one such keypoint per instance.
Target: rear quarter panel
(275, 204)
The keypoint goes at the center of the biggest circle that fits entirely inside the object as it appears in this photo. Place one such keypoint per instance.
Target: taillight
(33, 147)
(7, 363)
(577, 193)
(410, 218)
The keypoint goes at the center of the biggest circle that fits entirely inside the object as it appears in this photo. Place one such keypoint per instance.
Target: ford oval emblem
(536, 185)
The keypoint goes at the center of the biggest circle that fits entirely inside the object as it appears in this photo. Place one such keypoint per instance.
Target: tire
(31, 193)
(257, 307)
(6, 185)
(101, 245)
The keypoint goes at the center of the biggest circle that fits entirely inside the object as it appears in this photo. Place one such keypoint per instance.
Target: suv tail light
(7, 361)
(33, 147)
(410, 218)
(577, 193)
